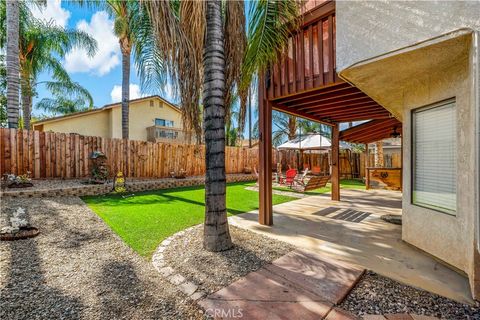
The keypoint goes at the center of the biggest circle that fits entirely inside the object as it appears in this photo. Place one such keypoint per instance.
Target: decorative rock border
(189, 288)
(132, 186)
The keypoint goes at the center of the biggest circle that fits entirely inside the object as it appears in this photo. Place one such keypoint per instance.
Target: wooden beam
(265, 212)
(356, 118)
(320, 95)
(335, 177)
(320, 54)
(356, 98)
(339, 103)
(300, 114)
(313, 92)
(331, 51)
(347, 112)
(346, 109)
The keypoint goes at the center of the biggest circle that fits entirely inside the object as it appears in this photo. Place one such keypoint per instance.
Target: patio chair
(313, 183)
(290, 177)
(301, 179)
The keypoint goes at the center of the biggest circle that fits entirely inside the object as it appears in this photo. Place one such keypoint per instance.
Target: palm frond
(270, 26)
(235, 45)
(179, 38)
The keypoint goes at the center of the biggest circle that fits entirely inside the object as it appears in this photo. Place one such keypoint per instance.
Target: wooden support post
(335, 162)
(265, 212)
(367, 173)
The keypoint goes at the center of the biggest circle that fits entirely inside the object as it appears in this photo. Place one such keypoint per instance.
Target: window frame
(442, 103)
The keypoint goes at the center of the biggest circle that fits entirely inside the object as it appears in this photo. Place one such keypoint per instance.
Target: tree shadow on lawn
(116, 200)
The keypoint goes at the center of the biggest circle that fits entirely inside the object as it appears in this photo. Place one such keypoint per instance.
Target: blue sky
(101, 75)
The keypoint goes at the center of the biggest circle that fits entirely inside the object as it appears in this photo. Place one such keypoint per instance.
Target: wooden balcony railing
(166, 134)
(309, 60)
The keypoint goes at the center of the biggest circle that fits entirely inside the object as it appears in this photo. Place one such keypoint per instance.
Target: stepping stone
(263, 295)
(329, 279)
(299, 285)
(340, 314)
(421, 317)
(398, 316)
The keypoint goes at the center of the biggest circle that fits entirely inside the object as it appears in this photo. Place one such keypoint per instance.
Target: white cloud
(108, 53)
(135, 92)
(53, 11)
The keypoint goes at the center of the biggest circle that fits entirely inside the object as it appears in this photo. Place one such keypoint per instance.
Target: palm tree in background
(134, 32)
(59, 105)
(42, 45)
(180, 30)
(12, 61)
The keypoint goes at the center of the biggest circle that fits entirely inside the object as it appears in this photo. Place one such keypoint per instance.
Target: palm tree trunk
(26, 103)
(379, 154)
(13, 63)
(125, 89)
(216, 235)
(249, 118)
(292, 127)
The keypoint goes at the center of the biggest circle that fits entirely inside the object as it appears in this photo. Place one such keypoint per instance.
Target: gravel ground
(212, 271)
(77, 268)
(375, 294)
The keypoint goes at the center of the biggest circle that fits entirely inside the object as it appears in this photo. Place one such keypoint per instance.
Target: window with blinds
(435, 157)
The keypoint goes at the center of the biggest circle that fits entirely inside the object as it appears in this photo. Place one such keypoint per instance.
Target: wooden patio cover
(304, 83)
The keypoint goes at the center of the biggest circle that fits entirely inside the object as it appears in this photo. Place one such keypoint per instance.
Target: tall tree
(3, 93)
(133, 29)
(42, 45)
(180, 28)
(216, 232)
(13, 62)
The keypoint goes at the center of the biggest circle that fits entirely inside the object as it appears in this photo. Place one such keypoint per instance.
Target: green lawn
(344, 184)
(147, 218)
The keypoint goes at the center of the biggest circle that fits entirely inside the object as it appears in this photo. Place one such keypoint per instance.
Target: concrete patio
(351, 231)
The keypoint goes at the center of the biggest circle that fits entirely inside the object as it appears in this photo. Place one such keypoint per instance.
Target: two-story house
(150, 119)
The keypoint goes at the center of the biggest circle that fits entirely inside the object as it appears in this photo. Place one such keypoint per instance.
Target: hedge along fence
(64, 155)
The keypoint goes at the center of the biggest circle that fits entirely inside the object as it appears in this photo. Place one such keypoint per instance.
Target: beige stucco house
(420, 60)
(150, 118)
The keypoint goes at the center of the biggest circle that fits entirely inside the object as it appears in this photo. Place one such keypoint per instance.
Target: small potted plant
(20, 181)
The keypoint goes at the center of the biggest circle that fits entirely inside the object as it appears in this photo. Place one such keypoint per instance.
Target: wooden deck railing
(309, 60)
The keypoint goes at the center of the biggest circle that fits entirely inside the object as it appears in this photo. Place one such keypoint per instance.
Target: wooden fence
(61, 155)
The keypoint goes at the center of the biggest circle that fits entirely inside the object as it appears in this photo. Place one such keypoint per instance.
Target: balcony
(166, 134)
(309, 60)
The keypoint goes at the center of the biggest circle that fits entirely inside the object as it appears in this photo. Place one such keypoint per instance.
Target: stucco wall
(142, 116)
(108, 122)
(366, 29)
(90, 124)
(430, 67)
(450, 238)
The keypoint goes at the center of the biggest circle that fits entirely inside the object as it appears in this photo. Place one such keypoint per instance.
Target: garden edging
(190, 289)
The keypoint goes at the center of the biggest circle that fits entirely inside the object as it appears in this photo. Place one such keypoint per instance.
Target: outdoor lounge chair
(301, 179)
(313, 183)
(290, 177)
